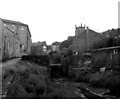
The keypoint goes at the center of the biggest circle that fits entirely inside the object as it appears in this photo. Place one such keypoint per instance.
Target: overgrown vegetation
(108, 38)
(27, 82)
(66, 43)
(32, 80)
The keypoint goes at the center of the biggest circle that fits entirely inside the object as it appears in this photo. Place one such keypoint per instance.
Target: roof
(16, 22)
(39, 43)
(11, 21)
(90, 33)
(107, 48)
(56, 43)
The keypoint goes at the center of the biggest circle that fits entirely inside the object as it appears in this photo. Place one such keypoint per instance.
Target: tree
(66, 43)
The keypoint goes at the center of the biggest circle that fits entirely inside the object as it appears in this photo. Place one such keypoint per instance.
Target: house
(15, 39)
(106, 57)
(55, 46)
(39, 48)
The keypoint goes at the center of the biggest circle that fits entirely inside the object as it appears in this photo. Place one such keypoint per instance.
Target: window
(8, 45)
(23, 48)
(22, 28)
(115, 51)
(75, 53)
(44, 48)
(12, 27)
(5, 25)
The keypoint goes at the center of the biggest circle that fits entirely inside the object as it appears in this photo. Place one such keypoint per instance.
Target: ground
(27, 79)
(32, 80)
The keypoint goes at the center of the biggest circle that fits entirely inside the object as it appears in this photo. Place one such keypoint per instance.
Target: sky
(54, 20)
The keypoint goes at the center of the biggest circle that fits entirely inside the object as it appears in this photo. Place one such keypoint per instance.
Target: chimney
(84, 26)
(81, 25)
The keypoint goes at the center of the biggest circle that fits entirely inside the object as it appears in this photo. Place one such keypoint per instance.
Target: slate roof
(39, 43)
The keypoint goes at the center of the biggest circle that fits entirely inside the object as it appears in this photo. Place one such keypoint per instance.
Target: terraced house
(15, 39)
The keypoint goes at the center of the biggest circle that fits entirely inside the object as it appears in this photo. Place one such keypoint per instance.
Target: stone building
(86, 38)
(55, 46)
(106, 57)
(79, 29)
(39, 48)
(15, 39)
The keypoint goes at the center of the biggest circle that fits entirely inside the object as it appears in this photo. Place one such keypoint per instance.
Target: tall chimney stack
(84, 26)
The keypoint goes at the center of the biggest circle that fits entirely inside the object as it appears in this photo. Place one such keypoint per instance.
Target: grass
(29, 76)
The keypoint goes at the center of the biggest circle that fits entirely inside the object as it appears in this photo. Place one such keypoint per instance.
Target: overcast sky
(54, 20)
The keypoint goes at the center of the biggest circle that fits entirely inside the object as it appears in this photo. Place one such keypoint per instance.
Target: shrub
(95, 79)
(99, 59)
(83, 75)
(17, 91)
(35, 84)
(109, 79)
(72, 73)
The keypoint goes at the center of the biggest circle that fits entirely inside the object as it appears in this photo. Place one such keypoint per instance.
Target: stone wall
(15, 39)
(11, 43)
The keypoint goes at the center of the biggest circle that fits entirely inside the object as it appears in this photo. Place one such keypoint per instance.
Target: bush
(83, 75)
(95, 79)
(17, 91)
(72, 73)
(109, 79)
(99, 59)
(35, 85)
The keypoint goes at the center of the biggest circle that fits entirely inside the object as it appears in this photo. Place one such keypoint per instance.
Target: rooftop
(16, 22)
